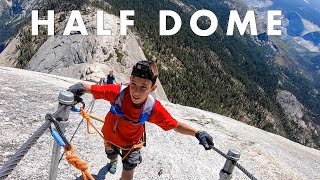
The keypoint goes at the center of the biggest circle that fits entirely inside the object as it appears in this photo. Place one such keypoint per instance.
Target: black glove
(205, 139)
(77, 89)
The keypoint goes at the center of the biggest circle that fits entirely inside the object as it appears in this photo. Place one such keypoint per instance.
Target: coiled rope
(78, 163)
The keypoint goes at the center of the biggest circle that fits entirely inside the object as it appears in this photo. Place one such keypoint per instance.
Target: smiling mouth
(136, 98)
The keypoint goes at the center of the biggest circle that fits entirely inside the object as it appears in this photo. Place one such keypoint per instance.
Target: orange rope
(107, 144)
(87, 117)
(78, 163)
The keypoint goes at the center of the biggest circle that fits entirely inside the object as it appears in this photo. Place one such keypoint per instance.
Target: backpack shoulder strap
(116, 105)
(122, 87)
(147, 109)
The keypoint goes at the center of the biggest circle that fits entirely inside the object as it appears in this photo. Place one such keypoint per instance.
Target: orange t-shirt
(127, 133)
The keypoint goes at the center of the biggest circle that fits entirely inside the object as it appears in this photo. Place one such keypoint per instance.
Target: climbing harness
(108, 144)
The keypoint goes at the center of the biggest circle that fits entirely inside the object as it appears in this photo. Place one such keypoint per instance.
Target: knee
(132, 160)
(128, 166)
(111, 154)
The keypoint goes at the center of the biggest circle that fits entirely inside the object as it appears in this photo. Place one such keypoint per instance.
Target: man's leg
(113, 156)
(129, 163)
(127, 175)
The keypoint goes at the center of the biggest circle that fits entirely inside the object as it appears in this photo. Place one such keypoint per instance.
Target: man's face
(140, 89)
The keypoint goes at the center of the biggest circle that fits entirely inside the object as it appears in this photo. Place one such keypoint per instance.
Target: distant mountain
(295, 27)
(2, 46)
(13, 15)
(314, 37)
(315, 4)
(299, 18)
(263, 37)
(304, 8)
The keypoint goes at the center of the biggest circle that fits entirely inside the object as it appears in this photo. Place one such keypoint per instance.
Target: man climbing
(110, 78)
(124, 129)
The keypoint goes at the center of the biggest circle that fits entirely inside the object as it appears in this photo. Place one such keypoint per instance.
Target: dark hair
(146, 70)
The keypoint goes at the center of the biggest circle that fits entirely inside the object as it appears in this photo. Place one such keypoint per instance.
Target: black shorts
(130, 162)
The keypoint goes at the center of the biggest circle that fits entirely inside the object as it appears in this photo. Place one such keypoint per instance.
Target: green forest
(229, 75)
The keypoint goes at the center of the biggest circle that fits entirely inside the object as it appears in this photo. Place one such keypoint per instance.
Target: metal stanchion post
(65, 99)
(226, 171)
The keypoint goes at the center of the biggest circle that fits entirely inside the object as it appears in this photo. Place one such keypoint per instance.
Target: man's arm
(163, 119)
(185, 129)
(204, 138)
(87, 87)
(114, 79)
(108, 92)
(80, 88)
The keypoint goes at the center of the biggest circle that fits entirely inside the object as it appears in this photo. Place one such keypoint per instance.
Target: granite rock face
(86, 57)
(26, 97)
(290, 104)
(304, 131)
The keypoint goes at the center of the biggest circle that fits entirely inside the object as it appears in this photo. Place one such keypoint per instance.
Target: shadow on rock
(101, 174)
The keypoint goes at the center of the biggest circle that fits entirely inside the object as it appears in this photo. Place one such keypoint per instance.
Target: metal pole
(226, 171)
(66, 99)
(56, 150)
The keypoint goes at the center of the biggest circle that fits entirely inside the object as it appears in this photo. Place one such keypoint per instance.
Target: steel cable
(8, 167)
(246, 172)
